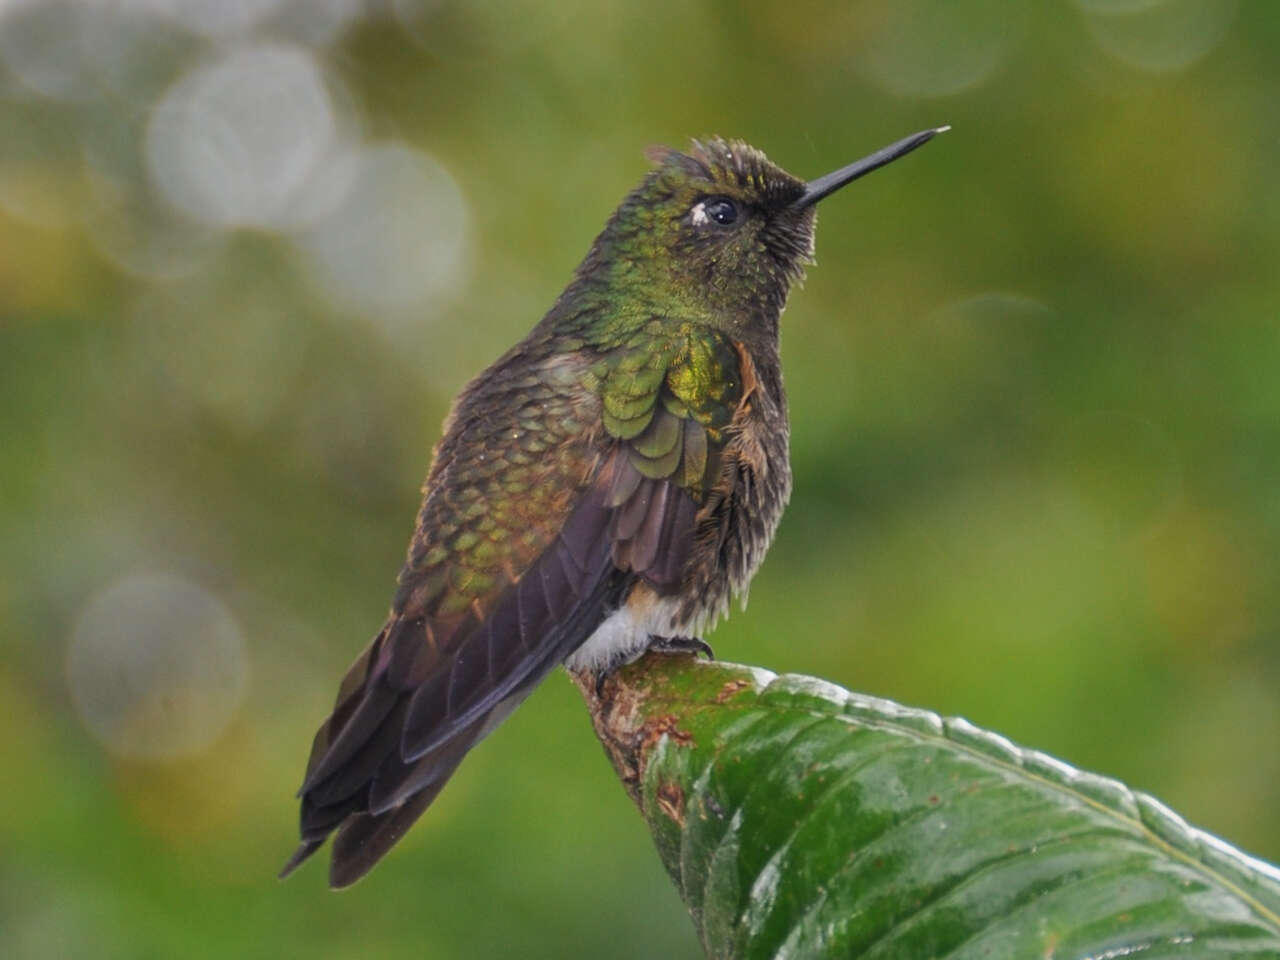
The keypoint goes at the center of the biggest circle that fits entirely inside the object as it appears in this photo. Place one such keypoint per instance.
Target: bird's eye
(721, 210)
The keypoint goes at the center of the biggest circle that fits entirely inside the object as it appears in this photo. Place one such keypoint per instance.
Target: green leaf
(798, 819)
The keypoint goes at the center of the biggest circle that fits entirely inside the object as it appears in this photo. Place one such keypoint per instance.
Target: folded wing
(535, 526)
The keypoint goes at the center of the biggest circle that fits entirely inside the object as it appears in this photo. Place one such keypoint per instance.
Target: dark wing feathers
(397, 743)
(653, 532)
(648, 538)
(675, 540)
(376, 701)
(652, 525)
(487, 667)
(629, 516)
(471, 633)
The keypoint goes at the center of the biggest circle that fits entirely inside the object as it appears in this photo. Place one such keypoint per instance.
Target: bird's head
(719, 233)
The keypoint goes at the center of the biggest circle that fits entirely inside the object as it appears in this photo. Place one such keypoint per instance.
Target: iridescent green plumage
(613, 479)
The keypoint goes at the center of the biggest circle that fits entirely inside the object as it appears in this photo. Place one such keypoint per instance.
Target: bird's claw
(694, 645)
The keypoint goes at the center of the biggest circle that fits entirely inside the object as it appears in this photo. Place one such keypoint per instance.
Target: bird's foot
(694, 645)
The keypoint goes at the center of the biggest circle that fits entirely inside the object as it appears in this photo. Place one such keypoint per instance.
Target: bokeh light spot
(231, 143)
(918, 49)
(216, 18)
(46, 45)
(316, 22)
(1159, 36)
(396, 237)
(157, 667)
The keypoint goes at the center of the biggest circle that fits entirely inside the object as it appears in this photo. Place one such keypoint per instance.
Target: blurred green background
(250, 250)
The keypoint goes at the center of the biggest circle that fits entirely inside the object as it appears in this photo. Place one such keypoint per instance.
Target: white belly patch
(623, 636)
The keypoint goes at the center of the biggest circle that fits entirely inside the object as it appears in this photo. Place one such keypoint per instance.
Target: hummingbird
(606, 487)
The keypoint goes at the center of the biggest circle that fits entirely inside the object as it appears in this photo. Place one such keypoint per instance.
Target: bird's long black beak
(815, 190)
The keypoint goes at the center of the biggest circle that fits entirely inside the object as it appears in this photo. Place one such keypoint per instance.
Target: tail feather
(305, 849)
(366, 838)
